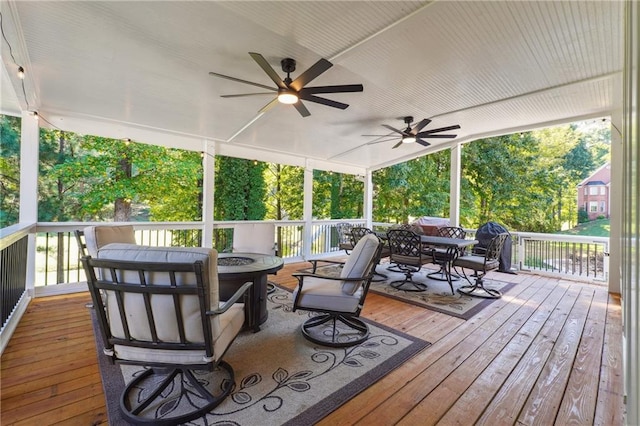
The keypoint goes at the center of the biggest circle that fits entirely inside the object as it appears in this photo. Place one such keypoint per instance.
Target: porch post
(454, 185)
(368, 199)
(208, 190)
(307, 211)
(29, 154)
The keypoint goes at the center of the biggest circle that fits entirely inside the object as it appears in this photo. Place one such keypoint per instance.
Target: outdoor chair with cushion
(256, 238)
(409, 256)
(443, 256)
(339, 300)
(158, 308)
(357, 233)
(482, 262)
(98, 236)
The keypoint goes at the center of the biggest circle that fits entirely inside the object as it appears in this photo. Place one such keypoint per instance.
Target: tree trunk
(122, 207)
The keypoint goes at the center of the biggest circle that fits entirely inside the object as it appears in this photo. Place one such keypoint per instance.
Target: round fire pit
(234, 261)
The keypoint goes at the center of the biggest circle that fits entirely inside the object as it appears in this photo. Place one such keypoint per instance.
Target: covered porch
(130, 89)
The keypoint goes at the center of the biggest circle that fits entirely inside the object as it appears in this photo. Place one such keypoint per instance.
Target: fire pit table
(235, 269)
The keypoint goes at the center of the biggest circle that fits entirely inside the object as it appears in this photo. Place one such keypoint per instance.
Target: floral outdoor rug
(437, 296)
(281, 378)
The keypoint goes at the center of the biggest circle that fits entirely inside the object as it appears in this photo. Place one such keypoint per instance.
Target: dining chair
(481, 261)
(443, 256)
(408, 254)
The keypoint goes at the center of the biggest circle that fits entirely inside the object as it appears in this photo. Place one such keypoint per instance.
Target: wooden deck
(548, 352)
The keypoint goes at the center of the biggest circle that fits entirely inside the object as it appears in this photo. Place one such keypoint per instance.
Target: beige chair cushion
(358, 261)
(254, 238)
(323, 294)
(97, 236)
(224, 327)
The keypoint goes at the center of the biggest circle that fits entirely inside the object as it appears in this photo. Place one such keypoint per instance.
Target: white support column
(29, 152)
(307, 211)
(368, 199)
(616, 199)
(454, 187)
(208, 191)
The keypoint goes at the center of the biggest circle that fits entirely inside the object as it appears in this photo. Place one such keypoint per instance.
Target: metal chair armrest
(236, 296)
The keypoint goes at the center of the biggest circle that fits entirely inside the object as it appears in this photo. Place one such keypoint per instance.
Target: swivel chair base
(477, 289)
(330, 335)
(134, 414)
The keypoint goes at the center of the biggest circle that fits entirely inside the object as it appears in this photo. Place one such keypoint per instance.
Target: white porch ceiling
(140, 70)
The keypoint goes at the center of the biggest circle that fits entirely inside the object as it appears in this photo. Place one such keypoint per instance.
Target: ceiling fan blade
(441, 129)
(323, 101)
(215, 74)
(268, 69)
(268, 106)
(246, 94)
(395, 130)
(438, 136)
(314, 71)
(421, 142)
(302, 109)
(420, 126)
(344, 88)
(397, 145)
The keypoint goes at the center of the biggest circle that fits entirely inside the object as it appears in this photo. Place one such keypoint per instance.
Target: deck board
(532, 357)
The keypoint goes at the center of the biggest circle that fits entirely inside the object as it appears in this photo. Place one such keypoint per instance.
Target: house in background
(593, 193)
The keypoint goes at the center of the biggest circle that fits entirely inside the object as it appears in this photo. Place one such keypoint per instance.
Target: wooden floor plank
(443, 357)
(473, 370)
(579, 399)
(470, 404)
(506, 404)
(444, 395)
(610, 404)
(544, 400)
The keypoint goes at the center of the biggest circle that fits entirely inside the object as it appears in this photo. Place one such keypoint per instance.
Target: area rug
(281, 378)
(437, 297)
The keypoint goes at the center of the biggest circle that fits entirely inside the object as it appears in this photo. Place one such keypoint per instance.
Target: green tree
(409, 190)
(109, 178)
(9, 170)
(240, 189)
(337, 195)
(284, 197)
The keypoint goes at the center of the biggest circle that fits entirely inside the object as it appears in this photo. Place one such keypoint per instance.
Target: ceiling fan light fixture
(408, 139)
(287, 96)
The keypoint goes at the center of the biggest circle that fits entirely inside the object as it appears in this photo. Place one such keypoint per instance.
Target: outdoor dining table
(453, 246)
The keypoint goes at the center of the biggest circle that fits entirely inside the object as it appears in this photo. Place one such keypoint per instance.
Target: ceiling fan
(294, 91)
(411, 135)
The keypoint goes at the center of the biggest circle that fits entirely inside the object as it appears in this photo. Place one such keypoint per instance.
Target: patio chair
(344, 236)
(339, 300)
(158, 308)
(443, 257)
(482, 261)
(256, 238)
(97, 236)
(408, 254)
(357, 232)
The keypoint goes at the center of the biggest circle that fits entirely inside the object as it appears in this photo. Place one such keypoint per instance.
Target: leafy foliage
(337, 195)
(9, 170)
(240, 189)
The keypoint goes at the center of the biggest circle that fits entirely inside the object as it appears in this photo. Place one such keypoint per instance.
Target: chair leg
(134, 406)
(331, 335)
(477, 288)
